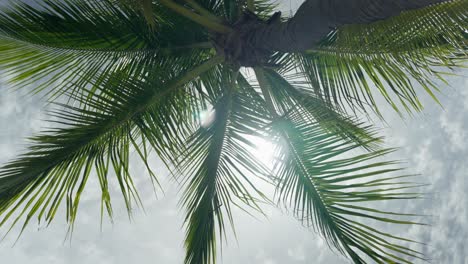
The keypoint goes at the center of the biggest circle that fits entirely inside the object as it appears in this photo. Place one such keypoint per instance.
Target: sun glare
(207, 117)
(264, 151)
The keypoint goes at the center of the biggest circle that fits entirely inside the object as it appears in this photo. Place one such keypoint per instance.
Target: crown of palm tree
(122, 81)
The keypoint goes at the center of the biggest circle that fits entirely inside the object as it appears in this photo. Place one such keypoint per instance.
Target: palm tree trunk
(315, 19)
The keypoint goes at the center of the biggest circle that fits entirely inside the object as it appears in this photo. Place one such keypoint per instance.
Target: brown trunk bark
(316, 18)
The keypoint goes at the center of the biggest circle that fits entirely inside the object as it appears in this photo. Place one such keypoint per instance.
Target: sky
(432, 143)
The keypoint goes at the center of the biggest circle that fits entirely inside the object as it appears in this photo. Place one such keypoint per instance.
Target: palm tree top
(133, 76)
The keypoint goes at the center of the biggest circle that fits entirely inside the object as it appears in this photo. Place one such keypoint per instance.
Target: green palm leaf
(218, 169)
(293, 95)
(393, 55)
(133, 114)
(67, 44)
(326, 189)
(319, 176)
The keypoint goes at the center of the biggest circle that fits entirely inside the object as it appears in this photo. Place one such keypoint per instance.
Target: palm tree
(123, 82)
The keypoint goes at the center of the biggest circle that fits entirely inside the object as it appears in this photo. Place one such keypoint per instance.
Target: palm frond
(333, 191)
(218, 170)
(153, 112)
(294, 95)
(68, 43)
(395, 55)
(328, 186)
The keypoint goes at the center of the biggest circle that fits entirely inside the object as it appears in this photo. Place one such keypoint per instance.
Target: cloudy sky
(433, 144)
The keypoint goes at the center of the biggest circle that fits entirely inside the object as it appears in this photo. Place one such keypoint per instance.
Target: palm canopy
(122, 81)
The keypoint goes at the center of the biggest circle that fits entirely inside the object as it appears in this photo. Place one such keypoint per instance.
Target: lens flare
(265, 151)
(207, 117)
